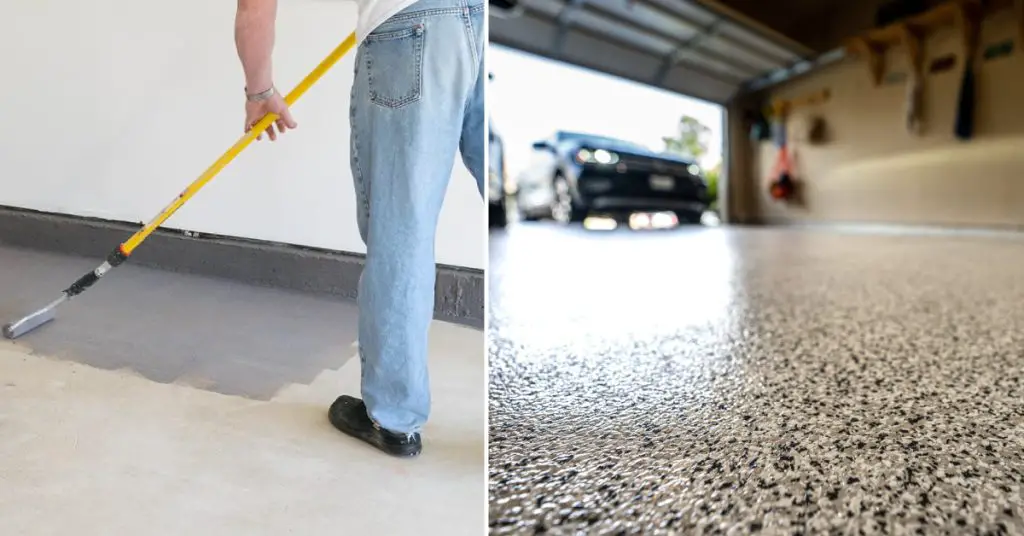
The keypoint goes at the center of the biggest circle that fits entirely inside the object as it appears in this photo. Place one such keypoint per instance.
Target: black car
(576, 175)
(497, 213)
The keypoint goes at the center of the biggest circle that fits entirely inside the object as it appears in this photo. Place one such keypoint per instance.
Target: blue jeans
(417, 100)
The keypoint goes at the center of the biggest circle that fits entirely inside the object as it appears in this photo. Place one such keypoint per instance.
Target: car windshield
(599, 140)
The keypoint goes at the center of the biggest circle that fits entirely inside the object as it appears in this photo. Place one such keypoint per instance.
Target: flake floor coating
(93, 447)
(771, 381)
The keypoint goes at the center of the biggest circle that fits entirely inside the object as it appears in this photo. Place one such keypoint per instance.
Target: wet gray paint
(214, 334)
(755, 381)
(459, 291)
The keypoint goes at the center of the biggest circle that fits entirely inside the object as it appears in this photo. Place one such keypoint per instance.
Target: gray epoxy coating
(755, 381)
(213, 334)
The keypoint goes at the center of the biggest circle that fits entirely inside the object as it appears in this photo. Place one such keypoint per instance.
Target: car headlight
(694, 169)
(598, 156)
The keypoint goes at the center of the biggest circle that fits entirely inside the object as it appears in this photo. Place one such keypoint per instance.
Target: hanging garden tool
(915, 82)
(760, 129)
(969, 22)
(782, 186)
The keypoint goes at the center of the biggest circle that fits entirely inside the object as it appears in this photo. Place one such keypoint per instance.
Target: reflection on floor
(165, 404)
(755, 380)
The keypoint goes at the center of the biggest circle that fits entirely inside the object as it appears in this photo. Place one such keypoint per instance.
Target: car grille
(631, 182)
(648, 166)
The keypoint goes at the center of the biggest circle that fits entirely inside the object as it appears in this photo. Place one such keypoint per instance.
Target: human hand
(275, 104)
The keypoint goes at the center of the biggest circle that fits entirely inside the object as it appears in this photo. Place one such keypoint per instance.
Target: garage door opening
(575, 146)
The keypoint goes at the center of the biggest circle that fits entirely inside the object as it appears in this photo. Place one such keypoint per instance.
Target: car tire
(576, 214)
(690, 218)
(497, 215)
(564, 208)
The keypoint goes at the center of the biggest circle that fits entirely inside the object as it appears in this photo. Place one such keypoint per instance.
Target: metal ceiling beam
(766, 56)
(670, 60)
(681, 45)
(611, 17)
(796, 70)
(541, 51)
(718, 8)
(564, 16)
(732, 80)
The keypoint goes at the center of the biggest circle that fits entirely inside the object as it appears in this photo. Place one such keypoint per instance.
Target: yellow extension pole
(129, 245)
(16, 329)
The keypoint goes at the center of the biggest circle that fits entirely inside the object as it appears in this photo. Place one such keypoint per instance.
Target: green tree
(691, 139)
(712, 175)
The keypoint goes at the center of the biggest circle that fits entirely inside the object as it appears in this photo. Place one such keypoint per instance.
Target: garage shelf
(910, 32)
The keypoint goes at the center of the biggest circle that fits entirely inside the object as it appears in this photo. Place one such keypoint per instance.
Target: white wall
(111, 107)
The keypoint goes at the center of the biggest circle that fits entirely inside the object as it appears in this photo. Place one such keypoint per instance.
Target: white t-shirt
(373, 13)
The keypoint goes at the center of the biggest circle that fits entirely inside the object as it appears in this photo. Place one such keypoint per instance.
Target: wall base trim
(914, 229)
(459, 295)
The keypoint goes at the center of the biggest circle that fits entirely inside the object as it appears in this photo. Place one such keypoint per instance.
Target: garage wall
(110, 107)
(874, 171)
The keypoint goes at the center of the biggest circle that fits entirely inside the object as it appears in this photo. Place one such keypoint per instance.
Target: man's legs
(409, 99)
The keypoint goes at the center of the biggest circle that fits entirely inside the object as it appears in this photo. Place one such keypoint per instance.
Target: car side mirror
(543, 146)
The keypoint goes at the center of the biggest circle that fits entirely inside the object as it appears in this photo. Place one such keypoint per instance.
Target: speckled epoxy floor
(755, 380)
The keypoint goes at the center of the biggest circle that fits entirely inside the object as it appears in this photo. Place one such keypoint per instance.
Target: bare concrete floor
(166, 404)
(735, 381)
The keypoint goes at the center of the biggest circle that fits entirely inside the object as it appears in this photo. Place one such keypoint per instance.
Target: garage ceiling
(678, 45)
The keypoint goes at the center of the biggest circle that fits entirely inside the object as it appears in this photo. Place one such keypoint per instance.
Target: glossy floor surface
(166, 404)
(774, 381)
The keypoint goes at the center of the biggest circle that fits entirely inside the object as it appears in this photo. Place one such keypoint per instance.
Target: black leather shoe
(349, 415)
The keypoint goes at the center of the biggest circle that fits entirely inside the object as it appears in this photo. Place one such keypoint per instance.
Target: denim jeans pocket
(394, 64)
